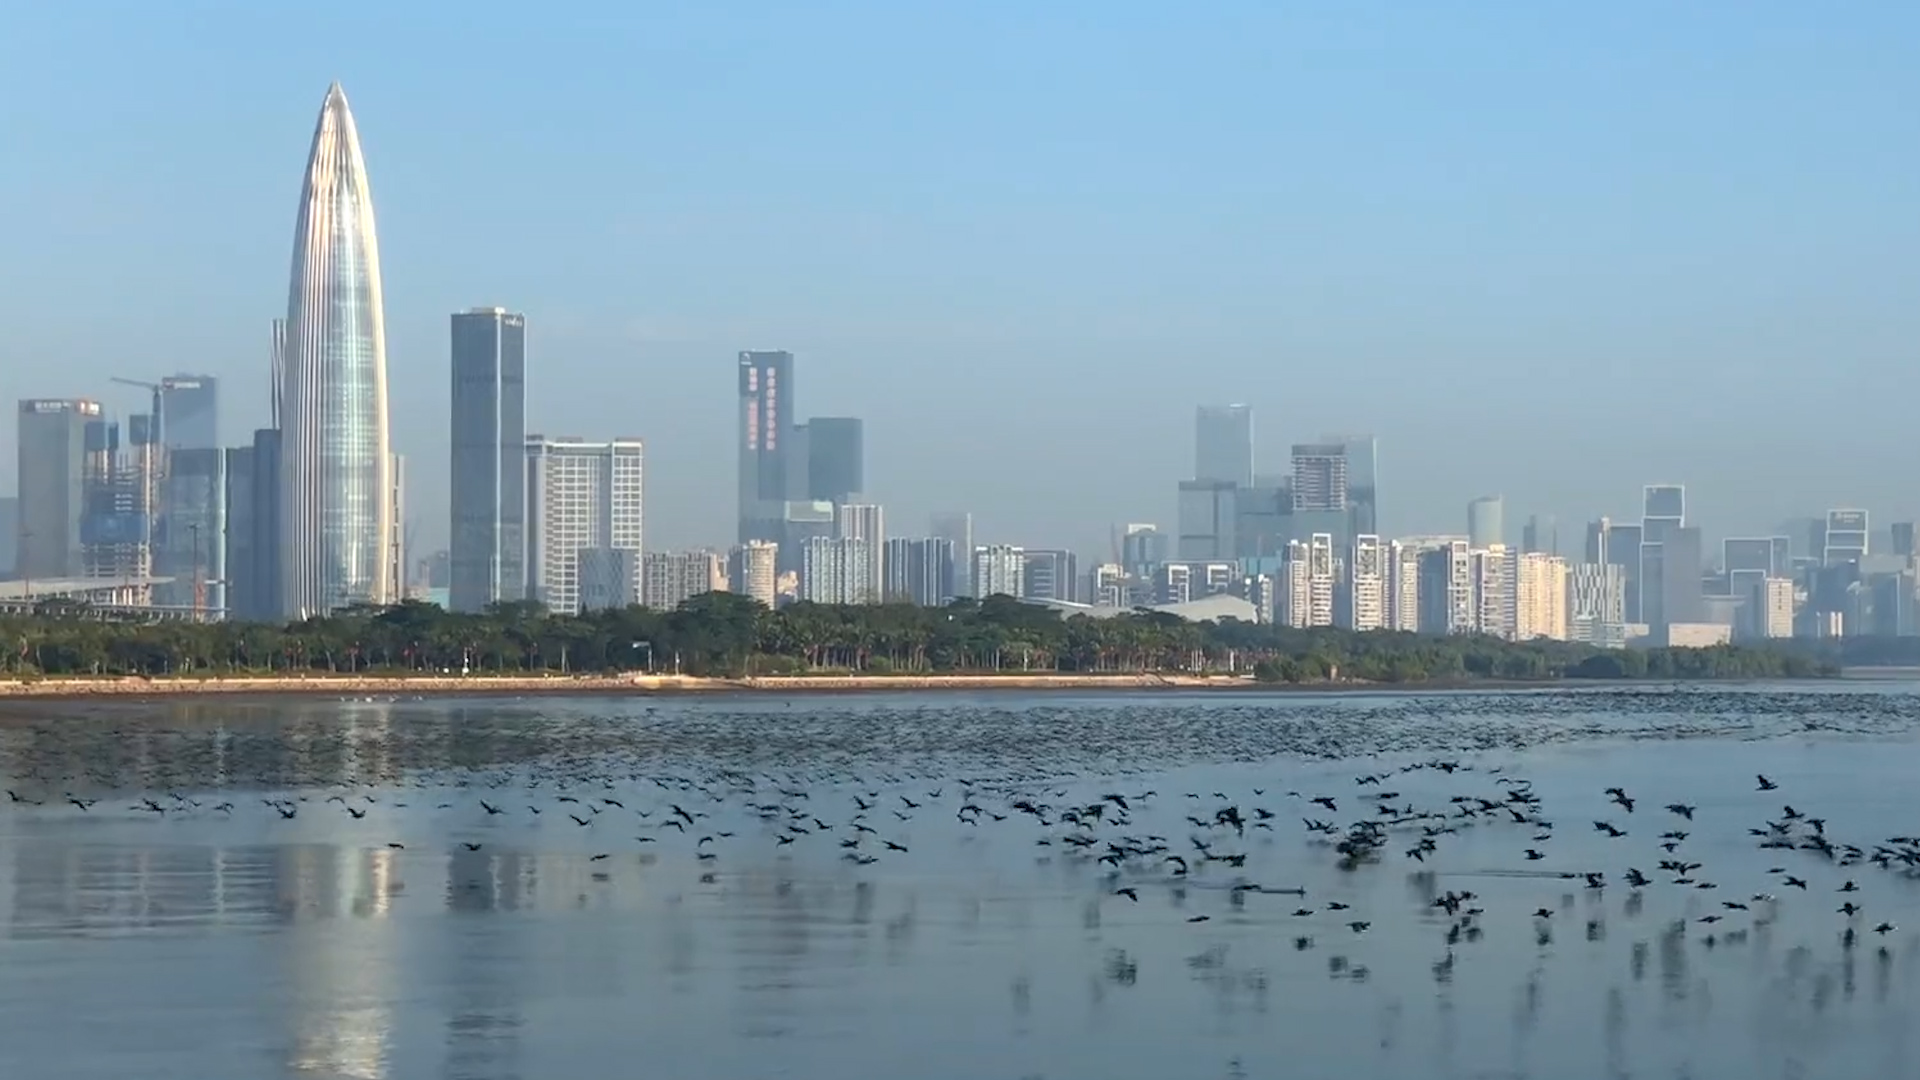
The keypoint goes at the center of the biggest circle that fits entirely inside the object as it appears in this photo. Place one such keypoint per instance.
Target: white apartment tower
(999, 570)
(856, 521)
(671, 578)
(1493, 592)
(1597, 605)
(1403, 588)
(1366, 595)
(581, 494)
(1540, 596)
(753, 570)
(836, 570)
(1312, 574)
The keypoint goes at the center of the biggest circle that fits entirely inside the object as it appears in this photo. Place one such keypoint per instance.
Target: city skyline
(1437, 224)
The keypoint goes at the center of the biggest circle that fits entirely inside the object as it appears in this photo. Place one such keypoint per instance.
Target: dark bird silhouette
(597, 858)
(490, 808)
(1359, 926)
(580, 821)
(1128, 893)
(1682, 809)
(1199, 918)
(1796, 883)
(1765, 784)
(891, 846)
(470, 847)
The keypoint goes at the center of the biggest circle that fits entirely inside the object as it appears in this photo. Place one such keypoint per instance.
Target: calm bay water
(317, 889)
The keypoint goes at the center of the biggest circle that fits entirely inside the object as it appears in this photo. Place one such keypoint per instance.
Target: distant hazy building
(1846, 537)
(1682, 597)
(1903, 539)
(1540, 596)
(581, 494)
(767, 461)
(253, 528)
(1597, 605)
(1050, 574)
(1486, 521)
(753, 571)
(191, 548)
(51, 485)
(999, 570)
(1223, 444)
(919, 571)
(1766, 605)
(1142, 547)
(957, 529)
(487, 543)
(1447, 597)
(671, 578)
(1663, 506)
(802, 520)
(866, 522)
(1208, 520)
(190, 412)
(836, 458)
(1763, 554)
(836, 570)
(1541, 535)
(1363, 483)
(1109, 586)
(605, 578)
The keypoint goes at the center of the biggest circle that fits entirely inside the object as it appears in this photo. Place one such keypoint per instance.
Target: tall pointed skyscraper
(337, 513)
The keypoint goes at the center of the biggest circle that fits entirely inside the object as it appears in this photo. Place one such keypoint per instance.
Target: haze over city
(1550, 255)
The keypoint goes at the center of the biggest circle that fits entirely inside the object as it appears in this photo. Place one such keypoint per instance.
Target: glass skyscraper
(486, 553)
(766, 444)
(337, 514)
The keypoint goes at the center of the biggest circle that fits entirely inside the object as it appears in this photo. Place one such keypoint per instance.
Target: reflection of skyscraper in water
(340, 986)
(484, 1019)
(485, 881)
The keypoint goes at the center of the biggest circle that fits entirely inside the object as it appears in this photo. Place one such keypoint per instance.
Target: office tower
(998, 570)
(1540, 596)
(1738, 553)
(336, 497)
(767, 461)
(1142, 547)
(866, 522)
(1777, 607)
(800, 521)
(1903, 541)
(836, 570)
(581, 495)
(957, 529)
(1541, 535)
(606, 578)
(1208, 520)
(1671, 590)
(1447, 589)
(918, 571)
(253, 529)
(1050, 574)
(487, 498)
(1663, 506)
(1486, 521)
(1597, 605)
(1223, 444)
(671, 578)
(189, 412)
(1109, 587)
(1403, 587)
(753, 570)
(192, 548)
(1846, 537)
(1366, 592)
(1613, 543)
(51, 481)
(836, 458)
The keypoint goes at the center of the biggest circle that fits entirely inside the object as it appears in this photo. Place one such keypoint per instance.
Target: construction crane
(152, 387)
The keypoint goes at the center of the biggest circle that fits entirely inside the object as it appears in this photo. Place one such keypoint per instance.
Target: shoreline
(640, 684)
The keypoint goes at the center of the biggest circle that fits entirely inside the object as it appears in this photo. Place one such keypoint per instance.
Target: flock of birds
(867, 820)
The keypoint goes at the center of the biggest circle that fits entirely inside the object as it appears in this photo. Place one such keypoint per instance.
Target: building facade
(918, 571)
(1540, 596)
(836, 570)
(957, 530)
(190, 412)
(671, 578)
(753, 571)
(1223, 444)
(336, 498)
(866, 522)
(768, 465)
(1367, 576)
(1050, 574)
(999, 570)
(487, 543)
(581, 494)
(51, 485)
(1597, 605)
(836, 458)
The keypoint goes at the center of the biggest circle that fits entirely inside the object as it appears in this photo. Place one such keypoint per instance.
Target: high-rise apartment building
(1320, 478)
(836, 458)
(487, 543)
(1493, 591)
(999, 570)
(768, 465)
(1486, 521)
(1365, 606)
(858, 521)
(837, 570)
(1540, 596)
(753, 571)
(919, 571)
(51, 479)
(1312, 580)
(336, 497)
(1448, 593)
(1403, 587)
(1109, 584)
(671, 578)
(1223, 444)
(957, 530)
(1050, 574)
(190, 412)
(581, 494)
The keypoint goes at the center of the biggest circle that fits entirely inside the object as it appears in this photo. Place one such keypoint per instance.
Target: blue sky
(1552, 250)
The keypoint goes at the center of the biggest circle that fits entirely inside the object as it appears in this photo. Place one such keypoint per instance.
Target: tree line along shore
(729, 640)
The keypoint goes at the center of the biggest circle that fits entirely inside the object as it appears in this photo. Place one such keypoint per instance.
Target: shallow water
(208, 943)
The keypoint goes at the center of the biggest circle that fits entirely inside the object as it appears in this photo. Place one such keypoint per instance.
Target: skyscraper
(1486, 521)
(999, 570)
(253, 528)
(582, 495)
(1223, 444)
(487, 540)
(836, 458)
(866, 522)
(919, 571)
(189, 412)
(836, 570)
(766, 450)
(1363, 482)
(957, 530)
(1208, 520)
(192, 547)
(1846, 537)
(337, 518)
(51, 482)
(1050, 574)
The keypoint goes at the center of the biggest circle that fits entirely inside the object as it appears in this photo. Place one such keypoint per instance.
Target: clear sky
(1548, 249)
